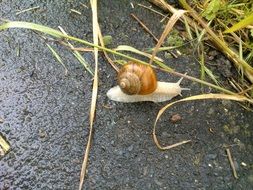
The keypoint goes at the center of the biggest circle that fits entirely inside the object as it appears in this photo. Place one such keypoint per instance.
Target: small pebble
(130, 148)
(175, 118)
(42, 134)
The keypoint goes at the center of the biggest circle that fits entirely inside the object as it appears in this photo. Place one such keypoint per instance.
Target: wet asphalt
(45, 112)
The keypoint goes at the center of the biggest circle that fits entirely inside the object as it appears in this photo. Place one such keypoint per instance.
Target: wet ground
(45, 112)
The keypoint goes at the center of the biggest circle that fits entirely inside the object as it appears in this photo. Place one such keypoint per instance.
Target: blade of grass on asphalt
(94, 91)
(78, 56)
(57, 56)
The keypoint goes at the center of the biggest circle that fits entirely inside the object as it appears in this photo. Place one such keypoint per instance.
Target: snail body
(146, 88)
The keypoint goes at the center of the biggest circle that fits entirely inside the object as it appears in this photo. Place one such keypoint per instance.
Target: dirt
(45, 113)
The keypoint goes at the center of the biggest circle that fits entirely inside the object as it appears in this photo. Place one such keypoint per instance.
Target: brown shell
(136, 78)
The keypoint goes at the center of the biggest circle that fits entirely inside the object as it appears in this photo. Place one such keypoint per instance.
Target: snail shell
(135, 78)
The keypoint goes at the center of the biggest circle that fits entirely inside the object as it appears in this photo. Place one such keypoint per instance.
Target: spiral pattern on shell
(136, 78)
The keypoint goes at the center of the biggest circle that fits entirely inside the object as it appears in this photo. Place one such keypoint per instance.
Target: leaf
(107, 40)
(251, 32)
(243, 23)
(174, 39)
(213, 7)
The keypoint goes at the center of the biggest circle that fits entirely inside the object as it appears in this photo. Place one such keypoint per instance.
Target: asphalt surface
(46, 113)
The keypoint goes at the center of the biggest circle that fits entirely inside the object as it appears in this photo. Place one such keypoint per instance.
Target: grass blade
(78, 56)
(134, 50)
(32, 26)
(58, 58)
(243, 23)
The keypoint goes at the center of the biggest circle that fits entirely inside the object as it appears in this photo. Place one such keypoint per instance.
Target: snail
(138, 82)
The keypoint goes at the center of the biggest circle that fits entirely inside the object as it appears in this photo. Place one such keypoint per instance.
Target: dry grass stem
(169, 146)
(82, 49)
(59, 35)
(144, 27)
(149, 8)
(166, 7)
(105, 53)
(231, 163)
(193, 98)
(75, 11)
(28, 9)
(166, 31)
(4, 146)
(134, 50)
(94, 91)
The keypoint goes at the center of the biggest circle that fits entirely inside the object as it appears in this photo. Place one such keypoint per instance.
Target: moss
(174, 39)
